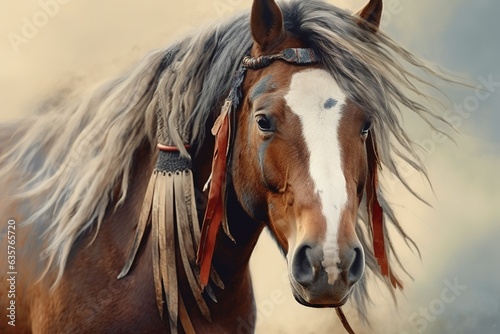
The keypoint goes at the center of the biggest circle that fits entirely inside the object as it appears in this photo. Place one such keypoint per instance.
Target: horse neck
(231, 258)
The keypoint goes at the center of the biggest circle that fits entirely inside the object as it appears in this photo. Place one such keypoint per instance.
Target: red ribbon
(215, 206)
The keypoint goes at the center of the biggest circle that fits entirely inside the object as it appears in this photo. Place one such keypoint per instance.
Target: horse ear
(370, 15)
(266, 22)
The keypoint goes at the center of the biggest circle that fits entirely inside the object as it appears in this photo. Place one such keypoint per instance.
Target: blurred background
(48, 45)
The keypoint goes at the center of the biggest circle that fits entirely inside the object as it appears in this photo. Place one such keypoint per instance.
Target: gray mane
(88, 145)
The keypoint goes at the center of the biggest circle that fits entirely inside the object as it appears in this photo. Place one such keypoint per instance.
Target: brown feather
(155, 251)
(162, 207)
(171, 289)
(186, 246)
(216, 278)
(190, 198)
(144, 220)
(184, 318)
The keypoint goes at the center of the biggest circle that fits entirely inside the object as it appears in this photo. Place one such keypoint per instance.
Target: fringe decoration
(169, 207)
(376, 214)
(214, 213)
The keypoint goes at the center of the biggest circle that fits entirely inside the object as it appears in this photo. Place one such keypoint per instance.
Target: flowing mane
(82, 153)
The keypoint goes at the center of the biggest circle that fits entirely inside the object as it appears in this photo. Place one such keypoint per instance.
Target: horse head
(313, 111)
(305, 156)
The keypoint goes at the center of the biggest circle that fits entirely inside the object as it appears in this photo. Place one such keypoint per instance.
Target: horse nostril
(357, 266)
(302, 266)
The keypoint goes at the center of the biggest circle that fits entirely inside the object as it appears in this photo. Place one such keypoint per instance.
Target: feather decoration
(169, 208)
(214, 213)
(376, 214)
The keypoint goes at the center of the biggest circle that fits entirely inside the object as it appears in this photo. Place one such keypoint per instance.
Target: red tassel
(376, 214)
(377, 217)
(215, 205)
(377, 221)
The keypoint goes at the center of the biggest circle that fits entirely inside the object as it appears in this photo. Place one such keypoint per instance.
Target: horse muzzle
(311, 283)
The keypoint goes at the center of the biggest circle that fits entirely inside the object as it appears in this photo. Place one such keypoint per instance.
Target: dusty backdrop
(456, 289)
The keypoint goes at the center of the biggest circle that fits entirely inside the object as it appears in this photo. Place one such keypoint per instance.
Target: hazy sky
(86, 41)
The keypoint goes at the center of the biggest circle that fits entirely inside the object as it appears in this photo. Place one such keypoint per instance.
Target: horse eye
(264, 124)
(366, 128)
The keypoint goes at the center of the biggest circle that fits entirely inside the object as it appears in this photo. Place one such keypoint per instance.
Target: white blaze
(316, 99)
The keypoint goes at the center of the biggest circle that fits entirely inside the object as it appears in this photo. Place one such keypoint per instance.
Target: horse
(289, 111)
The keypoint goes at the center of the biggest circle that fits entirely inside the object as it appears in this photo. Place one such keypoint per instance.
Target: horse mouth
(320, 300)
(302, 301)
